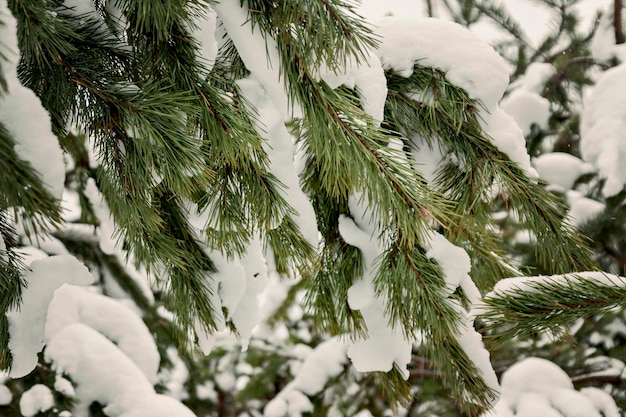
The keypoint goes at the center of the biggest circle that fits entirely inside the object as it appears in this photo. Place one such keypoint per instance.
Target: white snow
(111, 318)
(36, 399)
(527, 109)
(515, 285)
(603, 46)
(103, 373)
(468, 62)
(324, 362)
(260, 55)
(64, 386)
(369, 80)
(560, 168)
(25, 118)
(582, 209)
(383, 346)
(602, 129)
(455, 264)
(26, 324)
(204, 32)
(537, 387)
(280, 149)
(5, 395)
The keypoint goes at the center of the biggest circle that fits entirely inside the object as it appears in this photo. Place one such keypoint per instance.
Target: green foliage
(175, 138)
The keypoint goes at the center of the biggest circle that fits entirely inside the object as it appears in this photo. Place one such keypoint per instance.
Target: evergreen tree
(274, 166)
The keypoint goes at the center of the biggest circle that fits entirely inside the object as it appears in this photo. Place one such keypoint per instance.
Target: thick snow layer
(468, 63)
(38, 399)
(560, 168)
(111, 318)
(537, 387)
(602, 129)
(509, 138)
(25, 118)
(26, 324)
(103, 373)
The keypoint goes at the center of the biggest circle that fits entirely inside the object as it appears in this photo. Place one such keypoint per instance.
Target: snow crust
(537, 387)
(27, 324)
(25, 118)
(468, 62)
(602, 129)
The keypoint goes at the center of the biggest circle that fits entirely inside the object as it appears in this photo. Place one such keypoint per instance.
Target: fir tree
(216, 153)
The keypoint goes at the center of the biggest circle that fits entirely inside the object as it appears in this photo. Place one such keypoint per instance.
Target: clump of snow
(368, 78)
(25, 118)
(537, 387)
(560, 168)
(525, 104)
(280, 149)
(455, 264)
(603, 126)
(509, 138)
(38, 399)
(582, 209)
(103, 373)
(174, 378)
(259, 54)
(111, 318)
(603, 46)
(527, 108)
(383, 346)
(5, 395)
(26, 324)
(468, 62)
(324, 362)
(64, 386)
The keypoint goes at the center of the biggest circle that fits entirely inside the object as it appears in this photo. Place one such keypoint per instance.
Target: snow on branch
(525, 305)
